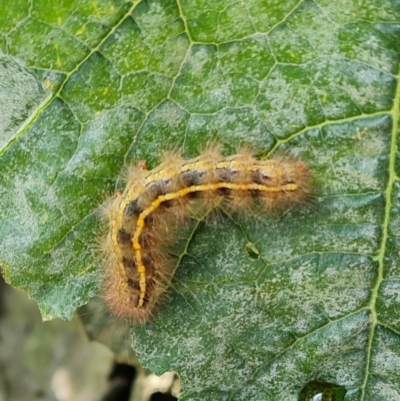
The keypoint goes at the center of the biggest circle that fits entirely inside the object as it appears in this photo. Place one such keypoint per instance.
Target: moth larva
(139, 269)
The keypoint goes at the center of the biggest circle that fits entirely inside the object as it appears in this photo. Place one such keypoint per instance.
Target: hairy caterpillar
(139, 269)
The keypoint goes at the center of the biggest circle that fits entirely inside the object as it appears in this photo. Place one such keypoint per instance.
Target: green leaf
(278, 302)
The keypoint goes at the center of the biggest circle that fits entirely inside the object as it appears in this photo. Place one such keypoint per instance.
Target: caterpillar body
(145, 217)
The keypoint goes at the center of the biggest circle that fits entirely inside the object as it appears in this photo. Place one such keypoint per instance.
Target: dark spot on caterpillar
(194, 195)
(146, 299)
(257, 177)
(123, 237)
(190, 178)
(132, 209)
(224, 191)
(148, 260)
(224, 174)
(129, 263)
(169, 203)
(149, 220)
(156, 188)
(150, 283)
(167, 182)
(255, 192)
(265, 177)
(133, 284)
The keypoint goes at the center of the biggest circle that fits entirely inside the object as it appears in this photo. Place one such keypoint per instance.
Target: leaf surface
(260, 306)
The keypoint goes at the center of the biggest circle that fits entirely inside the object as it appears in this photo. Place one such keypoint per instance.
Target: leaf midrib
(385, 233)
